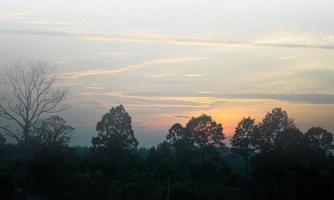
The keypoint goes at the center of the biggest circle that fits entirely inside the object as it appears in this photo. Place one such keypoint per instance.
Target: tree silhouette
(319, 137)
(291, 169)
(177, 133)
(290, 140)
(200, 132)
(242, 139)
(115, 131)
(274, 123)
(29, 94)
(189, 164)
(52, 132)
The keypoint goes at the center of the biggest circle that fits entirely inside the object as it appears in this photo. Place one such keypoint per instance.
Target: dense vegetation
(266, 161)
(269, 160)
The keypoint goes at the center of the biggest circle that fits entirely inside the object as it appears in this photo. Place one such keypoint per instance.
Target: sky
(167, 61)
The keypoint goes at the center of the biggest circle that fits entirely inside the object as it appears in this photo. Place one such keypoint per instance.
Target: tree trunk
(168, 188)
(25, 193)
(247, 166)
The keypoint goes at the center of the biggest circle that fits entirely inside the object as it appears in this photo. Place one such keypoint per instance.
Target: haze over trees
(271, 159)
(52, 132)
(29, 95)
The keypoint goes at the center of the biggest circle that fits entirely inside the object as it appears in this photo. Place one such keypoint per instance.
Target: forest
(267, 160)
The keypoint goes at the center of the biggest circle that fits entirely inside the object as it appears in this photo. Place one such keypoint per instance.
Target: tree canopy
(319, 137)
(52, 132)
(274, 122)
(192, 163)
(242, 139)
(200, 132)
(115, 131)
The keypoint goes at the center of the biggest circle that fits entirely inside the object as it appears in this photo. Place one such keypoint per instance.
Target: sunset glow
(227, 59)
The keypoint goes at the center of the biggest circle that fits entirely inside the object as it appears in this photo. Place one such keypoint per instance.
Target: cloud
(161, 105)
(308, 98)
(324, 77)
(13, 15)
(182, 116)
(205, 92)
(49, 23)
(95, 88)
(159, 75)
(193, 75)
(286, 39)
(209, 101)
(157, 39)
(296, 39)
(113, 54)
(281, 39)
(202, 101)
(105, 72)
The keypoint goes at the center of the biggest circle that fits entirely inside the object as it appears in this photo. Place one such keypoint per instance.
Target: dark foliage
(193, 162)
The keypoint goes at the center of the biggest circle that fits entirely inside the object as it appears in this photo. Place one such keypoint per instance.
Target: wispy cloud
(204, 101)
(162, 105)
(285, 39)
(95, 88)
(157, 39)
(159, 75)
(296, 39)
(193, 75)
(16, 14)
(276, 39)
(113, 54)
(87, 73)
(49, 23)
(204, 92)
(182, 116)
(210, 100)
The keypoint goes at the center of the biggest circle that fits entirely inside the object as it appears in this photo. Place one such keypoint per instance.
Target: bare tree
(28, 92)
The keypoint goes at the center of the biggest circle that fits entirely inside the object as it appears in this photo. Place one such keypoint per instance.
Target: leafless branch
(30, 94)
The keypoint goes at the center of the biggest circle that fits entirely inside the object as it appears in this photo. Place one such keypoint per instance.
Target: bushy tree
(291, 169)
(115, 133)
(290, 140)
(274, 122)
(197, 148)
(199, 132)
(319, 137)
(52, 132)
(242, 139)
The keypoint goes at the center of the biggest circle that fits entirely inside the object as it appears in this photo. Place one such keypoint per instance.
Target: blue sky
(169, 60)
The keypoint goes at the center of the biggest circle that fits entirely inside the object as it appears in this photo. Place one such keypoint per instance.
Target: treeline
(269, 160)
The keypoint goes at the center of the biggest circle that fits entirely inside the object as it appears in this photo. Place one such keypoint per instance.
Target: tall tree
(274, 122)
(241, 141)
(29, 93)
(115, 131)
